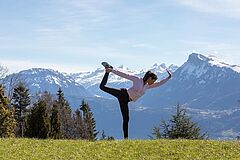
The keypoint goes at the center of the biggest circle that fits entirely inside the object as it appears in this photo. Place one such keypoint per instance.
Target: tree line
(45, 118)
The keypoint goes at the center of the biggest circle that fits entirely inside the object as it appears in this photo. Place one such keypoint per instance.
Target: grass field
(12, 149)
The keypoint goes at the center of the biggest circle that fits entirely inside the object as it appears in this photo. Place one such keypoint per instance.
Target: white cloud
(223, 7)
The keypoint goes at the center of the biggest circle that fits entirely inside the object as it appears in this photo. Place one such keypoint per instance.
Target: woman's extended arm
(157, 84)
(124, 75)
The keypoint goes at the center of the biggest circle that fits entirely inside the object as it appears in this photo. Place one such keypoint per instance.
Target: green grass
(119, 149)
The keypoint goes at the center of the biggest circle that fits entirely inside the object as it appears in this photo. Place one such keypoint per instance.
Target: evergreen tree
(156, 133)
(89, 121)
(181, 126)
(20, 100)
(55, 123)
(65, 113)
(7, 120)
(48, 99)
(38, 121)
(165, 126)
(79, 126)
(61, 99)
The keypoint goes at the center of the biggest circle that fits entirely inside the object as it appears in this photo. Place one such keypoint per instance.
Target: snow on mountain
(157, 68)
(217, 62)
(197, 65)
(91, 80)
(40, 80)
(88, 79)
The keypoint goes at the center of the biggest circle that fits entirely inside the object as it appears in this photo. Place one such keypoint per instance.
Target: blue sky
(76, 35)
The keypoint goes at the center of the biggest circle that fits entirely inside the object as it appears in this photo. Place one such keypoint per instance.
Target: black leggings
(123, 99)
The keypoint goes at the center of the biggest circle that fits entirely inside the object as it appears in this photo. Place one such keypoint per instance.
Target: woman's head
(149, 77)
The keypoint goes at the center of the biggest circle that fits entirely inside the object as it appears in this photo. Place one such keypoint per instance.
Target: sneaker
(106, 65)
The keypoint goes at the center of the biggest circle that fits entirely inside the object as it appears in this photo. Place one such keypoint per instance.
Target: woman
(140, 85)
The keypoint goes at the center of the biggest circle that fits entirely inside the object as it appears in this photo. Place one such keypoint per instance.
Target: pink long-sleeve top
(138, 88)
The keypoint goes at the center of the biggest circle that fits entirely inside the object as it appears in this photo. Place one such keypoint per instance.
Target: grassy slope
(128, 149)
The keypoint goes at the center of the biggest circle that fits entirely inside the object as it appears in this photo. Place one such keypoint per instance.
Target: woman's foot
(106, 65)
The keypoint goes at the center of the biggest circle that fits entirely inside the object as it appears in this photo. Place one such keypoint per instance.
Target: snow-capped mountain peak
(217, 62)
(197, 59)
(40, 79)
(159, 69)
(159, 66)
(89, 79)
(156, 65)
(41, 75)
(198, 64)
(121, 66)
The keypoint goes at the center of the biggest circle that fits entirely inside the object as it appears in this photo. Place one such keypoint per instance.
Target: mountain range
(207, 87)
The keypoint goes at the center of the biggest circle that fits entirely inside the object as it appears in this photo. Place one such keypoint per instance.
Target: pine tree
(61, 99)
(38, 121)
(79, 125)
(48, 99)
(65, 115)
(181, 126)
(89, 121)
(156, 133)
(21, 100)
(7, 120)
(165, 126)
(55, 123)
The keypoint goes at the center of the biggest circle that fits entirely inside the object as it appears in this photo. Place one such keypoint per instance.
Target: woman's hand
(108, 70)
(169, 74)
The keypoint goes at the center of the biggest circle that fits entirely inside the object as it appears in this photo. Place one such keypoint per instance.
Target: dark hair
(149, 74)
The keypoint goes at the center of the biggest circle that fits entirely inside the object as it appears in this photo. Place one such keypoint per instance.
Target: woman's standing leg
(125, 116)
(123, 101)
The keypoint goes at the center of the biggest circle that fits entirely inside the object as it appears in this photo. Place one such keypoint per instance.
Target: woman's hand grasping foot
(108, 70)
